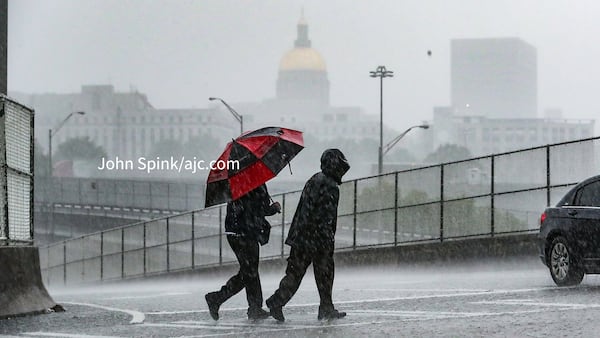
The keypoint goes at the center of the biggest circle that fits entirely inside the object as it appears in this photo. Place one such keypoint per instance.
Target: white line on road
(428, 315)
(374, 300)
(63, 335)
(531, 303)
(137, 317)
(168, 294)
(283, 327)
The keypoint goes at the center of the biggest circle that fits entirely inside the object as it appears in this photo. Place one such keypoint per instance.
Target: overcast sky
(181, 52)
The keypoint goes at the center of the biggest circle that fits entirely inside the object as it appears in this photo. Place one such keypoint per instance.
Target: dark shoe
(331, 314)
(277, 313)
(257, 314)
(213, 304)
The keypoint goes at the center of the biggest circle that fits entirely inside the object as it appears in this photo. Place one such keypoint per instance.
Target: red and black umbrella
(259, 155)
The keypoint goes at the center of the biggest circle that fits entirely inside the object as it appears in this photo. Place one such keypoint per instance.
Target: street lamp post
(52, 132)
(393, 142)
(381, 72)
(235, 114)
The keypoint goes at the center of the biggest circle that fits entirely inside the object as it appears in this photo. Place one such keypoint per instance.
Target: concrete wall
(21, 287)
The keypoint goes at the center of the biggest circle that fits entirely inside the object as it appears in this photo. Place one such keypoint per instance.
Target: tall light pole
(52, 132)
(381, 72)
(395, 140)
(235, 114)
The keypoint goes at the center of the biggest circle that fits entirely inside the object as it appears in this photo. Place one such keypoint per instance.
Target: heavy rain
(299, 168)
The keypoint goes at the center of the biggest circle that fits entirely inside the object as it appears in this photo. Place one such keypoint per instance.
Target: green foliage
(418, 219)
(401, 155)
(448, 153)
(79, 148)
(40, 160)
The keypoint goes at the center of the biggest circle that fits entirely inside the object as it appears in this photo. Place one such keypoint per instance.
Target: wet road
(492, 299)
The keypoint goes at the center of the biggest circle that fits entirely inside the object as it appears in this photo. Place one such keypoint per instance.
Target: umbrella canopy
(261, 154)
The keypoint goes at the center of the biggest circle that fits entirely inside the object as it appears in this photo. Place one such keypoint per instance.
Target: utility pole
(381, 72)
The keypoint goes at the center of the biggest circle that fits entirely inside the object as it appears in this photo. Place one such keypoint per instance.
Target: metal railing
(480, 197)
(118, 194)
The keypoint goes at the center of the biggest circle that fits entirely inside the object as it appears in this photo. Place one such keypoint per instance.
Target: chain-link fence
(482, 197)
(16, 177)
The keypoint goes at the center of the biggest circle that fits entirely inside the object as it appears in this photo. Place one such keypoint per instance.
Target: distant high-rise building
(494, 77)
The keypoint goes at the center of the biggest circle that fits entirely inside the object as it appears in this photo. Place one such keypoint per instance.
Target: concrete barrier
(21, 289)
(506, 247)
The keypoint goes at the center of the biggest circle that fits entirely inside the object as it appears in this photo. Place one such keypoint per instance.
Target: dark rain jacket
(246, 215)
(315, 221)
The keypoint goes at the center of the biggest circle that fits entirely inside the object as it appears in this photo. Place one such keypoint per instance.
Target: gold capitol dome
(302, 56)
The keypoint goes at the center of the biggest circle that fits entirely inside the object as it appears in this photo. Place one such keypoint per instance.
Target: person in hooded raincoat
(246, 228)
(311, 237)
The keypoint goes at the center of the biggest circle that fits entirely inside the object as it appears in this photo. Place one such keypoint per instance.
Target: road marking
(429, 315)
(281, 327)
(424, 290)
(150, 296)
(249, 324)
(137, 317)
(64, 335)
(533, 303)
(374, 300)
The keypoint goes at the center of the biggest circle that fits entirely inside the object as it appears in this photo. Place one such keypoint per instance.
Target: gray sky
(181, 52)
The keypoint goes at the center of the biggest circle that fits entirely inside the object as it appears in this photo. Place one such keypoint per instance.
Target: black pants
(298, 262)
(247, 253)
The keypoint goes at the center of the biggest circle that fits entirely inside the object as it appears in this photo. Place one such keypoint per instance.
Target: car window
(589, 195)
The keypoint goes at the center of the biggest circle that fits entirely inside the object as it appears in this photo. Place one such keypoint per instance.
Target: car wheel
(563, 265)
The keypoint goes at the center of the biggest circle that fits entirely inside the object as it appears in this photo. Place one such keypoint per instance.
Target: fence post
(441, 203)
(122, 253)
(283, 225)
(102, 255)
(492, 173)
(396, 209)
(354, 216)
(168, 247)
(547, 175)
(144, 244)
(193, 241)
(64, 263)
(220, 236)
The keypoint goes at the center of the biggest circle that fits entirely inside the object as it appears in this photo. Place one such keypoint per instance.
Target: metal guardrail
(117, 193)
(479, 197)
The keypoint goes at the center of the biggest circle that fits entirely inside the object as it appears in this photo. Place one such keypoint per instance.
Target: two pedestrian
(312, 238)
(246, 228)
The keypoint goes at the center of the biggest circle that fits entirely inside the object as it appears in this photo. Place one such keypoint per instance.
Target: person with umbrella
(246, 228)
(312, 237)
(261, 155)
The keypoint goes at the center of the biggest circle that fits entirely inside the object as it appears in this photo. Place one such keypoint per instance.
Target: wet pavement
(494, 299)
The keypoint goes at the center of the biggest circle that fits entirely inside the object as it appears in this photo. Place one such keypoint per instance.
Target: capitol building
(302, 99)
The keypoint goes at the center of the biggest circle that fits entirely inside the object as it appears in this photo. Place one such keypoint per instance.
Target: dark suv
(569, 237)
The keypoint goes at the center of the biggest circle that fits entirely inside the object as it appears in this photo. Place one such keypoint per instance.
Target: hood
(334, 164)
